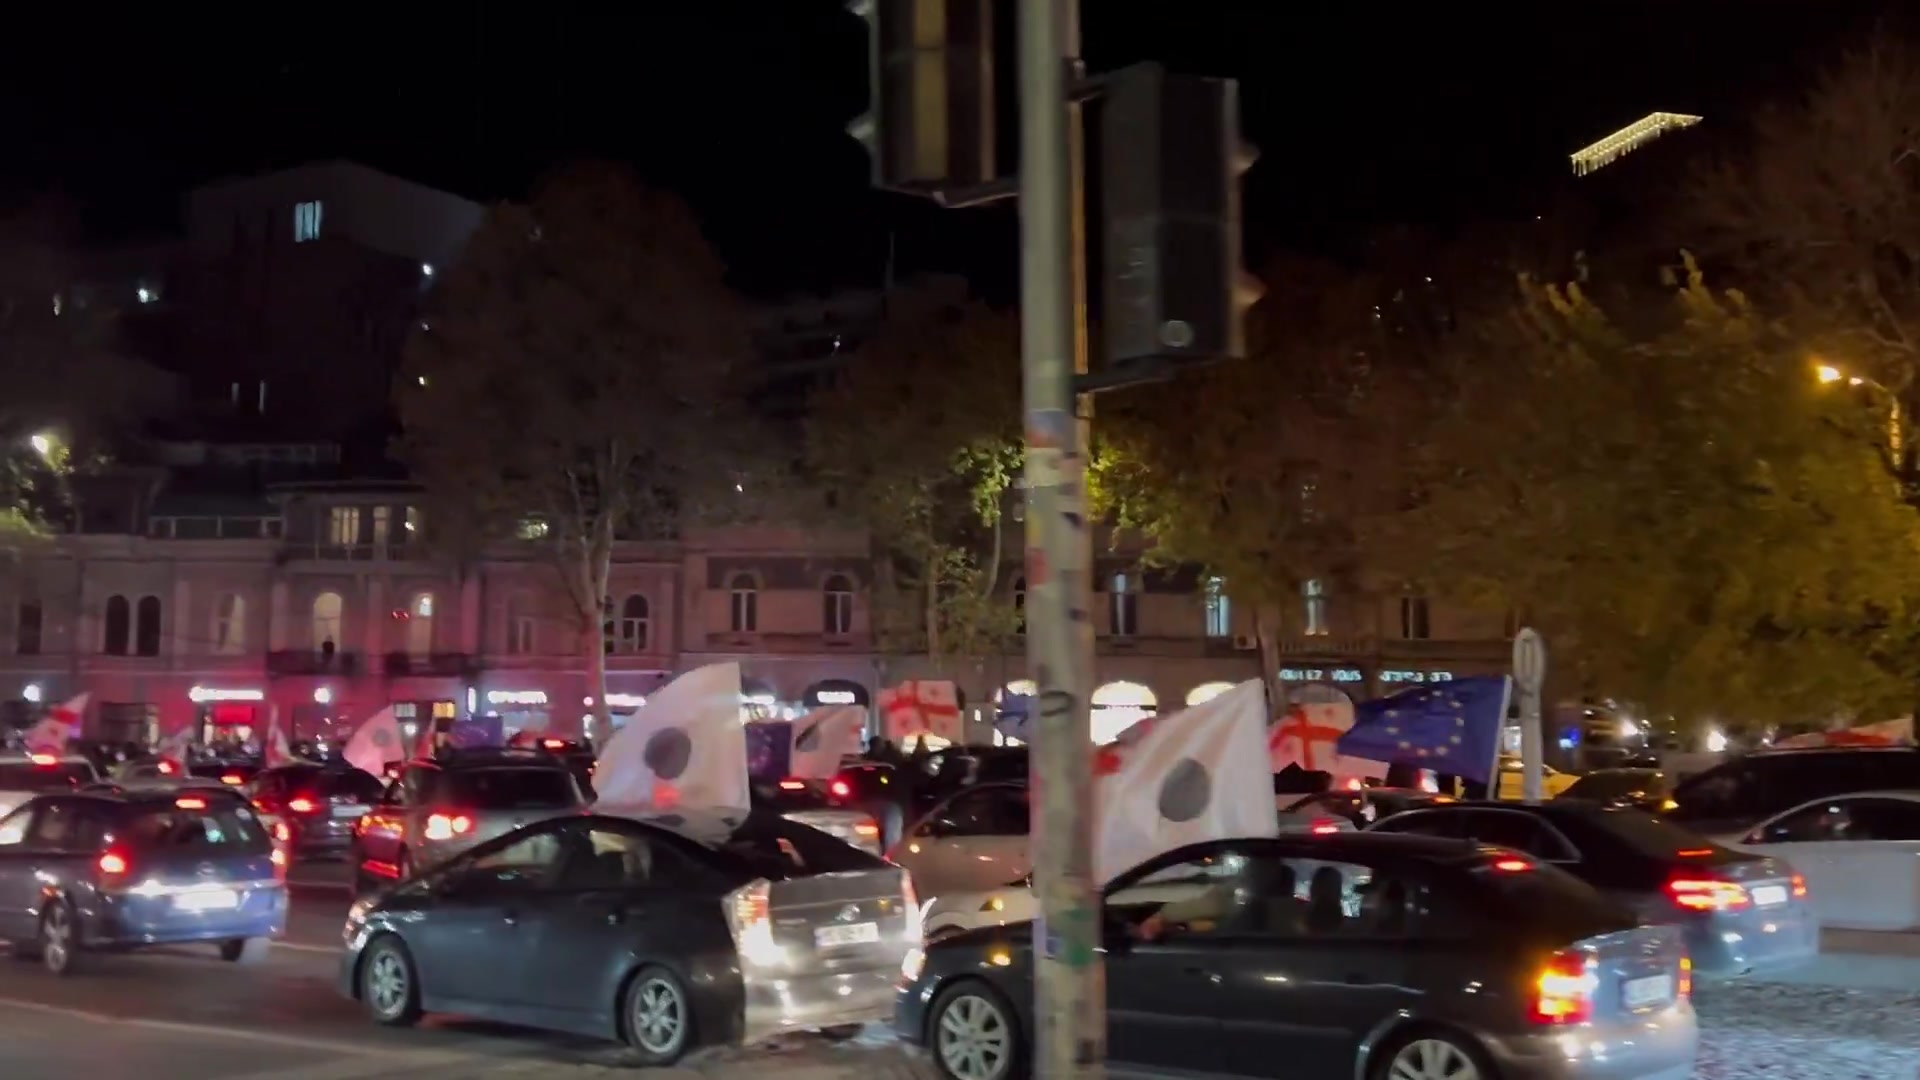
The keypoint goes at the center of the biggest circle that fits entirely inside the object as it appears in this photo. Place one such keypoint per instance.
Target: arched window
(26, 628)
(838, 616)
(1118, 706)
(119, 628)
(1123, 618)
(520, 625)
(745, 604)
(146, 627)
(326, 621)
(1020, 604)
(420, 625)
(633, 624)
(230, 625)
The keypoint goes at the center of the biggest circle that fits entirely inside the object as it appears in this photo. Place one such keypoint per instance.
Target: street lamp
(323, 696)
(1828, 373)
(43, 445)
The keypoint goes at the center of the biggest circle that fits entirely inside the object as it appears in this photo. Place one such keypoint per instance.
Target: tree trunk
(598, 566)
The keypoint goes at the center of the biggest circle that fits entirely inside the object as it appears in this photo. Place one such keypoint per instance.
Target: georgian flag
(61, 723)
(922, 707)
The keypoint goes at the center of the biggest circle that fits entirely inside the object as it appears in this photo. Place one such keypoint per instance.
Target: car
(319, 805)
(814, 803)
(439, 807)
(943, 773)
(22, 776)
(1741, 913)
(1860, 854)
(1640, 788)
(1356, 955)
(1513, 779)
(1729, 799)
(125, 869)
(669, 931)
(1365, 805)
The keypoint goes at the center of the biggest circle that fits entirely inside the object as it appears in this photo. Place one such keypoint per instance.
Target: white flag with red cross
(277, 751)
(922, 707)
(61, 723)
(1305, 735)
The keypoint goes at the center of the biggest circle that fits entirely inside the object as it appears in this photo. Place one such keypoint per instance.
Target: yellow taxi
(1552, 780)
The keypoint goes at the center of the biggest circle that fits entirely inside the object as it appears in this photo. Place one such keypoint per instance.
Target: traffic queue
(660, 895)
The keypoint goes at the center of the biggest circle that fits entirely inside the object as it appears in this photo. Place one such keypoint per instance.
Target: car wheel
(247, 951)
(1432, 1055)
(842, 1032)
(974, 1034)
(657, 1017)
(59, 943)
(389, 986)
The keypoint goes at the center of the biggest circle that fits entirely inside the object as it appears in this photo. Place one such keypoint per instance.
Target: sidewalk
(1859, 960)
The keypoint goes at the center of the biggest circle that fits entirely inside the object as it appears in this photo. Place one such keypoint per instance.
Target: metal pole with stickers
(1529, 677)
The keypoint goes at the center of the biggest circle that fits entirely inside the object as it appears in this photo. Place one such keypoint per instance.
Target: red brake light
(1354, 784)
(1708, 894)
(300, 804)
(281, 832)
(1512, 866)
(793, 785)
(45, 759)
(866, 828)
(448, 826)
(840, 789)
(554, 744)
(1686, 977)
(1799, 885)
(1325, 827)
(1563, 993)
(112, 863)
(232, 778)
(168, 768)
(190, 802)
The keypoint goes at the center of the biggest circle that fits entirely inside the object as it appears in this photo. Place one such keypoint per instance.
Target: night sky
(1363, 113)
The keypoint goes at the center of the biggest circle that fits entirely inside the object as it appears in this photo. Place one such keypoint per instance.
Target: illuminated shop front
(1350, 679)
(1206, 692)
(620, 709)
(412, 714)
(1392, 679)
(1118, 706)
(519, 710)
(229, 714)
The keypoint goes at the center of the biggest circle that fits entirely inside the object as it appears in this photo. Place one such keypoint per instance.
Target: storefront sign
(202, 693)
(618, 701)
(1332, 675)
(837, 697)
(1389, 678)
(516, 697)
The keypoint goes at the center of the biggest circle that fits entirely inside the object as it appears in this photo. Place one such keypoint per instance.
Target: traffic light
(1171, 157)
(929, 126)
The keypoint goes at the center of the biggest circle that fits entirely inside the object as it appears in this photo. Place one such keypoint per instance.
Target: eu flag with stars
(1450, 727)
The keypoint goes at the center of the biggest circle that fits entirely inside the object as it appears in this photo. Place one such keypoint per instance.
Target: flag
(823, 737)
(277, 752)
(922, 707)
(172, 751)
(375, 742)
(1451, 727)
(61, 724)
(1195, 775)
(1885, 733)
(1015, 719)
(1307, 735)
(685, 747)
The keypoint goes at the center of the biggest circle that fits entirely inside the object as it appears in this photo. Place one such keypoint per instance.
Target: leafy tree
(571, 385)
(920, 438)
(1261, 469)
(1670, 498)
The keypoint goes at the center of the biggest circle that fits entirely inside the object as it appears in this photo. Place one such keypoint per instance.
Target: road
(184, 1013)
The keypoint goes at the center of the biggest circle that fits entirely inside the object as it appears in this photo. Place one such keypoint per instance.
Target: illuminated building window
(633, 625)
(838, 616)
(230, 625)
(343, 526)
(1123, 617)
(306, 221)
(1313, 594)
(326, 620)
(744, 604)
(1219, 609)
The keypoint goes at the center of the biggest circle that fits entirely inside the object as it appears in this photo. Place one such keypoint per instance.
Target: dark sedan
(1642, 789)
(1364, 806)
(667, 931)
(319, 804)
(1336, 956)
(1741, 913)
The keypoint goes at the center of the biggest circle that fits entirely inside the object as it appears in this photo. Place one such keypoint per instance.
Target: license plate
(349, 811)
(211, 900)
(1652, 990)
(1769, 895)
(860, 933)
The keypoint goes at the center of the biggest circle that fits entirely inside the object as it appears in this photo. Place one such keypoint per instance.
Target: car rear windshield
(61, 776)
(510, 789)
(789, 796)
(351, 784)
(1553, 896)
(224, 824)
(769, 846)
(1656, 837)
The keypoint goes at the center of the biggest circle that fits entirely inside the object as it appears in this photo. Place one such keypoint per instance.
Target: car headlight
(911, 965)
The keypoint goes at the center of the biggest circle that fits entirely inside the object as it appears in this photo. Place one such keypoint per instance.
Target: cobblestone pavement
(1777, 1030)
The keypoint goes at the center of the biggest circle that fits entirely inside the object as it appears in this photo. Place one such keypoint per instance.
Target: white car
(970, 862)
(22, 776)
(1859, 853)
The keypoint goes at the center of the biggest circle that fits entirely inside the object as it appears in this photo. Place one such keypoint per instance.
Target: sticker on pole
(1529, 661)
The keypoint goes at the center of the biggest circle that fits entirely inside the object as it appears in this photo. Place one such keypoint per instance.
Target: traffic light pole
(1069, 984)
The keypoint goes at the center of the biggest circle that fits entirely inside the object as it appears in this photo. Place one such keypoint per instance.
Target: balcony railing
(321, 550)
(429, 665)
(312, 662)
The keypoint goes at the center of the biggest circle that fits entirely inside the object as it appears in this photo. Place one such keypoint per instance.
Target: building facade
(321, 603)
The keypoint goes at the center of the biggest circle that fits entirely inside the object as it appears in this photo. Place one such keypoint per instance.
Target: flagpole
(1499, 736)
(1069, 981)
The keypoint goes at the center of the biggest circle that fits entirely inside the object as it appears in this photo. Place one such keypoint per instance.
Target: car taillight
(750, 920)
(1799, 886)
(447, 826)
(279, 857)
(1325, 827)
(1512, 866)
(45, 759)
(1563, 992)
(168, 768)
(1686, 977)
(840, 789)
(866, 830)
(300, 804)
(232, 779)
(112, 864)
(793, 785)
(281, 833)
(1708, 894)
(190, 802)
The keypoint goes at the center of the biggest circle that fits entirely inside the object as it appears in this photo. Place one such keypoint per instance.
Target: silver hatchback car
(438, 808)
